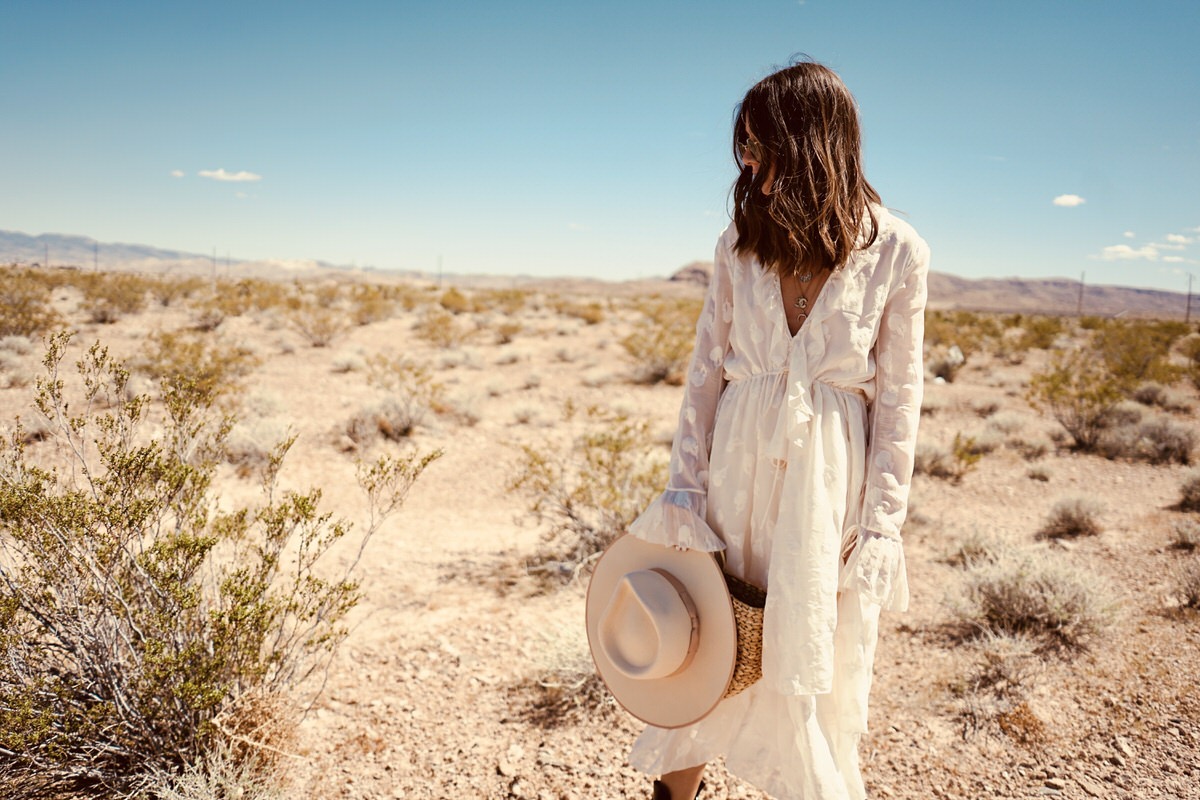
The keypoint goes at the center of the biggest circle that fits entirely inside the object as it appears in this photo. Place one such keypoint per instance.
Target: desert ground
(465, 672)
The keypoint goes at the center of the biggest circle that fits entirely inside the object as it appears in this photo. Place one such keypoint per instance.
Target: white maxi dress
(794, 454)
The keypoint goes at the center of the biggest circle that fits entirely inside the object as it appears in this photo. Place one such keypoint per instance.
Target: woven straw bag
(748, 604)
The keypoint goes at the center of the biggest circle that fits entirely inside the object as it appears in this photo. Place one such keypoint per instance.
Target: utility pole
(1187, 315)
(1079, 303)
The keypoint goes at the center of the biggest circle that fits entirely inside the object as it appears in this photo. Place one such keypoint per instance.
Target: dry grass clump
(661, 342)
(411, 394)
(1038, 596)
(25, 303)
(591, 312)
(590, 495)
(1187, 583)
(564, 686)
(1155, 394)
(976, 549)
(1159, 441)
(993, 693)
(455, 301)
(1189, 492)
(1071, 518)
(1185, 535)
(222, 773)
(951, 463)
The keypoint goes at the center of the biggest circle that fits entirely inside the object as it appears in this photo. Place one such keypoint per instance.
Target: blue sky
(556, 138)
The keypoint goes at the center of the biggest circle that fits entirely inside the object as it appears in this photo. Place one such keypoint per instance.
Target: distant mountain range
(1027, 295)
(947, 292)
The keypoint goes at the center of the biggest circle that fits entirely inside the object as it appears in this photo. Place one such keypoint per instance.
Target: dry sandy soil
(437, 691)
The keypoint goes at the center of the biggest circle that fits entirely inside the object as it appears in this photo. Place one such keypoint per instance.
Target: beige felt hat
(661, 629)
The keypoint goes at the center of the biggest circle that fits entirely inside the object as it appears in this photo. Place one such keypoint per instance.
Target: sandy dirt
(437, 691)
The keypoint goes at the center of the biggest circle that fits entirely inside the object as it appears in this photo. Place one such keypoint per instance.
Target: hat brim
(690, 694)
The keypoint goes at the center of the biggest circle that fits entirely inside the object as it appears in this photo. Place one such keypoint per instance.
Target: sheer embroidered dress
(794, 454)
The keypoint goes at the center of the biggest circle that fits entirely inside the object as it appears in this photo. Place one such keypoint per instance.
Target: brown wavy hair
(809, 143)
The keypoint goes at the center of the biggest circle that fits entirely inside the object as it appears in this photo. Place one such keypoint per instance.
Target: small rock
(1090, 786)
(506, 768)
(1123, 745)
(1056, 783)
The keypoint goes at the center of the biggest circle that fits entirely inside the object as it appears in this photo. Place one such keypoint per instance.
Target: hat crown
(649, 627)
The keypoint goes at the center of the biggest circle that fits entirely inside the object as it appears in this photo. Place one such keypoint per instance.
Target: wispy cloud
(177, 173)
(236, 177)
(1128, 234)
(1123, 252)
(1175, 238)
(1069, 200)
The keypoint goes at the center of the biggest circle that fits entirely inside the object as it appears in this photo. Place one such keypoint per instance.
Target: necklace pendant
(805, 278)
(801, 302)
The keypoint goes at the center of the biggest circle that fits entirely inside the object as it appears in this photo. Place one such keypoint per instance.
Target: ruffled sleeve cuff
(876, 570)
(676, 519)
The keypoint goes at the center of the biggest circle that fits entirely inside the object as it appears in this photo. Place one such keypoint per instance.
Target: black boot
(661, 792)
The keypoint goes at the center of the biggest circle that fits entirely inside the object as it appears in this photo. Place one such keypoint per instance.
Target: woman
(794, 452)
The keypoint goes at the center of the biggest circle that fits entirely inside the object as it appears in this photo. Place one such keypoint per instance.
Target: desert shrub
(507, 330)
(170, 289)
(1038, 596)
(455, 301)
(976, 549)
(591, 312)
(194, 363)
(108, 296)
(440, 328)
(589, 499)
(993, 689)
(1185, 534)
(1138, 351)
(661, 342)
(1090, 322)
(1073, 517)
(370, 303)
(1079, 393)
(1038, 473)
(971, 332)
(949, 464)
(946, 362)
(1189, 348)
(506, 301)
(318, 315)
(1039, 332)
(221, 773)
(144, 623)
(25, 304)
(1189, 492)
(1159, 441)
(411, 392)
(1187, 583)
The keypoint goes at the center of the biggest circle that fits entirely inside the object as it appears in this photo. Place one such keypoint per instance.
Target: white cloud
(1174, 259)
(1128, 234)
(222, 175)
(1069, 200)
(1175, 238)
(176, 173)
(1123, 252)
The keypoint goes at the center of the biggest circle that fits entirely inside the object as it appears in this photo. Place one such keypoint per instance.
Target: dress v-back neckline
(812, 307)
